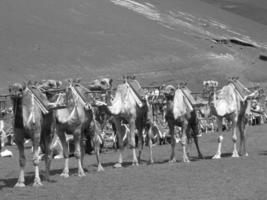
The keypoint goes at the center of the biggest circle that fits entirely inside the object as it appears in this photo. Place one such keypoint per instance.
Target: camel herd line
(44, 109)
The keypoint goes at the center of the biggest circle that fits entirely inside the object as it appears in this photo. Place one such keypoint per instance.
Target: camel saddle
(138, 90)
(241, 89)
(191, 99)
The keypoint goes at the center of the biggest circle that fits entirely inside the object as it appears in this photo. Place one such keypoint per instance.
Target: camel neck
(18, 115)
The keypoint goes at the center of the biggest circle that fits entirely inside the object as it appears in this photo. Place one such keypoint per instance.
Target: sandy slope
(159, 41)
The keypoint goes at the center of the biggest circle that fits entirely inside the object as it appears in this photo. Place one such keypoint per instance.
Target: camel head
(169, 92)
(101, 84)
(49, 84)
(16, 90)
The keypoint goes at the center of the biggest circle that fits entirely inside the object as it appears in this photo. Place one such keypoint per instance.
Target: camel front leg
(132, 141)
(150, 144)
(22, 161)
(62, 138)
(97, 142)
(220, 139)
(140, 143)
(184, 141)
(78, 153)
(234, 137)
(173, 143)
(36, 161)
(242, 129)
(117, 124)
(195, 136)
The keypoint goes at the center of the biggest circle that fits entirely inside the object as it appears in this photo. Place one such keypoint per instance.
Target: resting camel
(233, 103)
(130, 105)
(32, 121)
(180, 112)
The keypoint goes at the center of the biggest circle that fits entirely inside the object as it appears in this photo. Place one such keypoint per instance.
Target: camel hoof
(235, 155)
(37, 183)
(19, 184)
(58, 157)
(117, 165)
(186, 160)
(151, 162)
(135, 163)
(246, 154)
(65, 175)
(81, 174)
(100, 168)
(201, 156)
(217, 156)
(172, 161)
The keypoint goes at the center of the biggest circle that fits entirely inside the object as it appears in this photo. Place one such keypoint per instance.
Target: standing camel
(130, 105)
(78, 120)
(233, 103)
(180, 112)
(32, 120)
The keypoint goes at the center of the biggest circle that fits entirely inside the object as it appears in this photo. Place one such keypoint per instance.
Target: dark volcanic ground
(168, 41)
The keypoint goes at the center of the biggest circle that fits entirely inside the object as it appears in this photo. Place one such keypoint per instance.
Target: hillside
(160, 41)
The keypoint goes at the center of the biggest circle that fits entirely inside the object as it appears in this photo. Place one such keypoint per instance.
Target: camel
(32, 120)
(77, 119)
(232, 102)
(181, 112)
(130, 105)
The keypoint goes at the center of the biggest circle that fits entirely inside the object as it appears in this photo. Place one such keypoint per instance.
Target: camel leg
(132, 141)
(184, 141)
(117, 124)
(22, 161)
(242, 130)
(173, 143)
(234, 137)
(195, 130)
(140, 143)
(151, 160)
(62, 137)
(77, 153)
(97, 142)
(220, 139)
(36, 143)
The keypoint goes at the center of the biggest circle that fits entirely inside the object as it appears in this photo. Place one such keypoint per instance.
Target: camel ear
(29, 83)
(110, 82)
(24, 84)
(10, 88)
